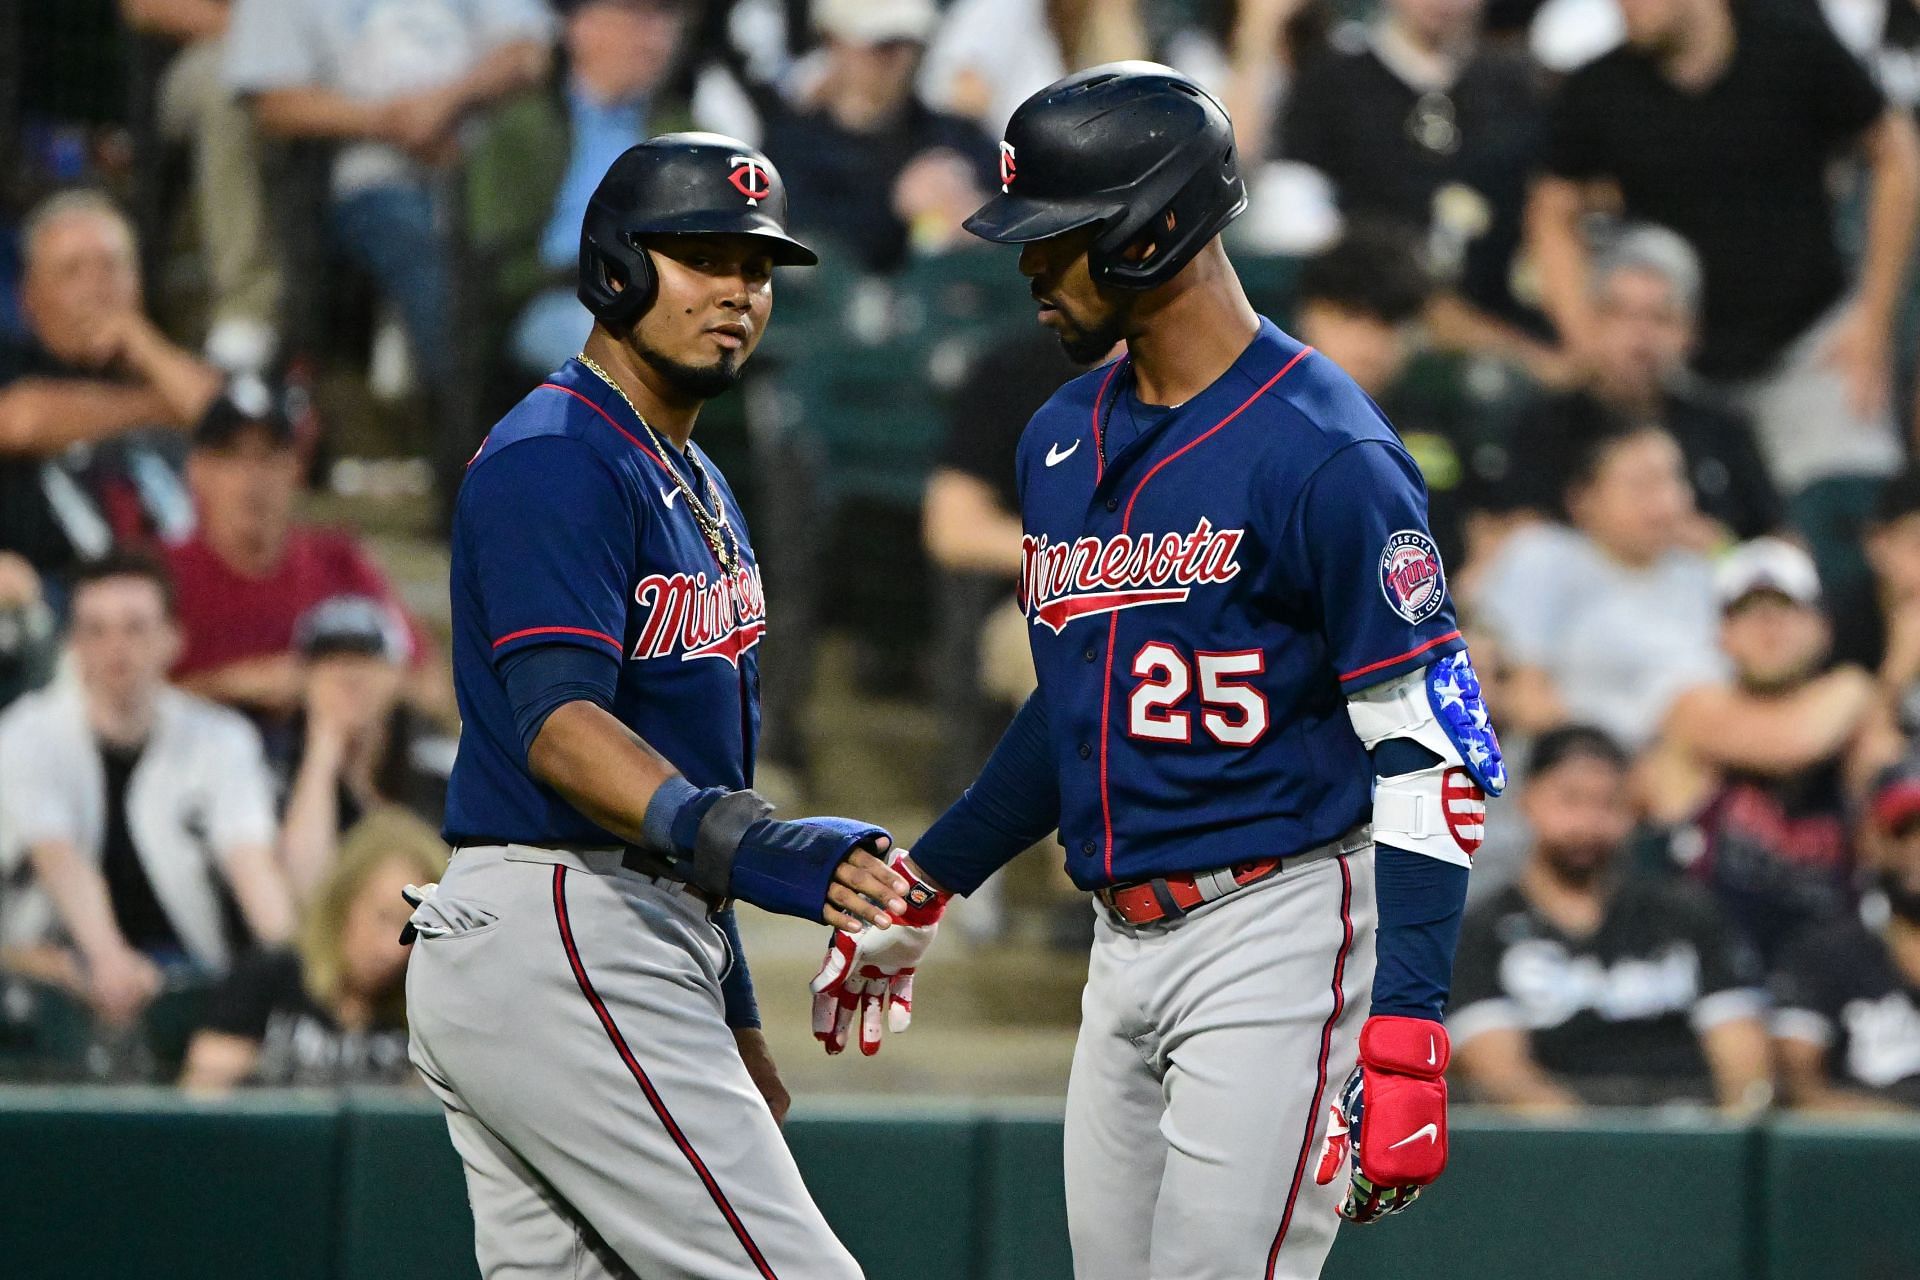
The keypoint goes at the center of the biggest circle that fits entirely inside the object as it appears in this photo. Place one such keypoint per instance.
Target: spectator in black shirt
(1585, 982)
(1646, 290)
(1719, 120)
(334, 1012)
(1754, 771)
(863, 157)
(1846, 1024)
(76, 477)
(1414, 119)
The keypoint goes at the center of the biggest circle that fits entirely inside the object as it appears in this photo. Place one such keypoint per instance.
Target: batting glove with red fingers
(868, 977)
(1400, 1091)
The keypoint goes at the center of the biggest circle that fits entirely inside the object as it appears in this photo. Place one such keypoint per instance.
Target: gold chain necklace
(713, 527)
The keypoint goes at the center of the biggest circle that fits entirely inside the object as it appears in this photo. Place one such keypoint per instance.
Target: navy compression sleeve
(542, 679)
(743, 1011)
(1421, 901)
(1012, 804)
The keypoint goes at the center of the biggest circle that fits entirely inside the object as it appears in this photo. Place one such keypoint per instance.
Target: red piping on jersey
(1326, 1047)
(559, 631)
(745, 754)
(632, 439)
(1113, 619)
(1414, 652)
(640, 1076)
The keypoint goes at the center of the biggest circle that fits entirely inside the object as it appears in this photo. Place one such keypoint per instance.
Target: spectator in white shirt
(144, 813)
(1606, 620)
(390, 81)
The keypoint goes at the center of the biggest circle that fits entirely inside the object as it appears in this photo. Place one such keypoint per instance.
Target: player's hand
(866, 978)
(865, 891)
(766, 1076)
(1388, 1129)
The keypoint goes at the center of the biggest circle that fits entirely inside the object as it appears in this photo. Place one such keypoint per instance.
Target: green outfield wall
(146, 1185)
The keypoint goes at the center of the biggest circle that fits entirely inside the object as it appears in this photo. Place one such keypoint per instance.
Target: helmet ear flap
(617, 280)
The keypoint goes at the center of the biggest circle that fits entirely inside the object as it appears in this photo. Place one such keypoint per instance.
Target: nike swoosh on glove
(1389, 1126)
(868, 977)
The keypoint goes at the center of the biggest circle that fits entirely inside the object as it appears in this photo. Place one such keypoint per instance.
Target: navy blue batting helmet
(676, 184)
(1133, 148)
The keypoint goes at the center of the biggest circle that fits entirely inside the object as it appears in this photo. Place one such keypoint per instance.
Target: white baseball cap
(1766, 564)
(876, 21)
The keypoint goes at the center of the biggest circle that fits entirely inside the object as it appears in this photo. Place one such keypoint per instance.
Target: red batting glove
(868, 977)
(1390, 1123)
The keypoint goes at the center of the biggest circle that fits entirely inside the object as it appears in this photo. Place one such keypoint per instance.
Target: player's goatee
(700, 382)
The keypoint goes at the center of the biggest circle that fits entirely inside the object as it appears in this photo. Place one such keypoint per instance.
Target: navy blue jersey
(1202, 602)
(570, 530)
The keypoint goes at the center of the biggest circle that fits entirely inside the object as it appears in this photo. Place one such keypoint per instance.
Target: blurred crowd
(1633, 278)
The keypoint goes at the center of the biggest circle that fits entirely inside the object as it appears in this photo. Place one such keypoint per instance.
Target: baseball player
(1256, 730)
(578, 999)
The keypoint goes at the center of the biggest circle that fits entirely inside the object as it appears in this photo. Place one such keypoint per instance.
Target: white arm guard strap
(1439, 811)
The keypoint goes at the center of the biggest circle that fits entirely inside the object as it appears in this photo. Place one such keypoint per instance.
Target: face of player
(1371, 351)
(1579, 814)
(1438, 22)
(620, 49)
(122, 639)
(714, 300)
(1638, 502)
(1893, 549)
(1775, 642)
(1087, 319)
(81, 273)
(1641, 335)
(246, 492)
(373, 960)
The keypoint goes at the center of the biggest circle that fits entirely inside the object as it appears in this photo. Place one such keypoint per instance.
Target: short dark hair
(1373, 270)
(1590, 454)
(125, 564)
(1899, 497)
(1575, 742)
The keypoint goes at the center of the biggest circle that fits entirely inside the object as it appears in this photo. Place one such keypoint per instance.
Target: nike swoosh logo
(1055, 457)
(1432, 1060)
(668, 494)
(1430, 1131)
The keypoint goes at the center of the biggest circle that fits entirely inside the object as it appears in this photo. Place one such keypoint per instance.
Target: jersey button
(1113, 504)
(1090, 655)
(1086, 847)
(1086, 751)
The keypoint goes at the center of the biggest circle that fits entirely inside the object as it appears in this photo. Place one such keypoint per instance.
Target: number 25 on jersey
(1232, 712)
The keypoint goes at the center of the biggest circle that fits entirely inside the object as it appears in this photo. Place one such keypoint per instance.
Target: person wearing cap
(252, 567)
(139, 809)
(1846, 1021)
(862, 152)
(1752, 773)
(361, 745)
(1587, 982)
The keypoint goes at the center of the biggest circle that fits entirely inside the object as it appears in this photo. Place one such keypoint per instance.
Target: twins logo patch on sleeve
(1411, 577)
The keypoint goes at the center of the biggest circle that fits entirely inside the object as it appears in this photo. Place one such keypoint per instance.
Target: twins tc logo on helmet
(1007, 169)
(749, 178)
(1411, 577)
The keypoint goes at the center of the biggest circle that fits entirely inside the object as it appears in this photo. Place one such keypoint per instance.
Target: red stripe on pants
(1326, 1047)
(646, 1085)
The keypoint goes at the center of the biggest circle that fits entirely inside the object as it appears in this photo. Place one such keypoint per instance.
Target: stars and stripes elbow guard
(1439, 809)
